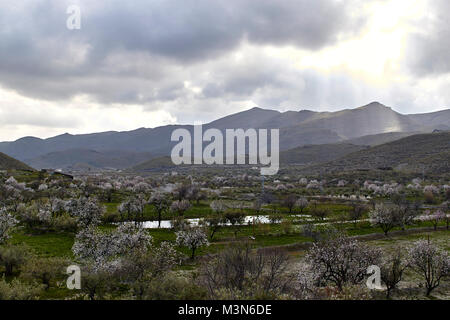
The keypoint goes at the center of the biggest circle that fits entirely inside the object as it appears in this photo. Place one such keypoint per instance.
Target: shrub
(286, 226)
(429, 197)
(95, 283)
(16, 290)
(12, 257)
(46, 271)
(174, 287)
(319, 213)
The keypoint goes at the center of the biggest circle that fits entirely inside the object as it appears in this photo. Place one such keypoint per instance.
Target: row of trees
(387, 216)
(342, 261)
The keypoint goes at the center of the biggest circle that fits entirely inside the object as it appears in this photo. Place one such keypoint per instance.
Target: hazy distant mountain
(297, 128)
(429, 152)
(8, 163)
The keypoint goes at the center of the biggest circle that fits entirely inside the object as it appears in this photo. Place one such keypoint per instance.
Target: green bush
(174, 287)
(16, 290)
(12, 257)
(47, 271)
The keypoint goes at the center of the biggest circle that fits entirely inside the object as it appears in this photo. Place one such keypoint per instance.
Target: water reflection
(167, 224)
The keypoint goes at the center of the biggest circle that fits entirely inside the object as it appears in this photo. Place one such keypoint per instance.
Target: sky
(143, 63)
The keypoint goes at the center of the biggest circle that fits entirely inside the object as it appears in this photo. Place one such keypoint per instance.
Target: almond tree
(193, 238)
(302, 204)
(320, 213)
(383, 216)
(216, 221)
(356, 212)
(196, 194)
(218, 206)
(341, 261)
(180, 206)
(235, 219)
(143, 266)
(392, 269)
(161, 204)
(86, 210)
(289, 202)
(430, 262)
(446, 208)
(132, 209)
(240, 271)
(257, 204)
(7, 224)
(181, 192)
(436, 217)
(102, 250)
(405, 215)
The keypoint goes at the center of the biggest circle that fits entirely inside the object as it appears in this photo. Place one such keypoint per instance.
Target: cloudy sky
(144, 63)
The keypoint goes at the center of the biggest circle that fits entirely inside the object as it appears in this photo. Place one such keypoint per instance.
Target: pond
(167, 224)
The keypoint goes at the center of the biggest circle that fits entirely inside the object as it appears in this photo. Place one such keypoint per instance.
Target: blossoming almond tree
(383, 216)
(180, 206)
(430, 262)
(87, 211)
(101, 249)
(161, 204)
(132, 209)
(193, 238)
(7, 223)
(437, 217)
(341, 261)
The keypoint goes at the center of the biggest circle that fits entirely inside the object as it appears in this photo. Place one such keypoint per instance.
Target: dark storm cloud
(139, 51)
(428, 50)
(191, 30)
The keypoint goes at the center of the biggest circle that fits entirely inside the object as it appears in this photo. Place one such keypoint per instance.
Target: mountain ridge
(297, 128)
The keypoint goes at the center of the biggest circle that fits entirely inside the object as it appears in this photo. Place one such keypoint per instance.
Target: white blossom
(7, 223)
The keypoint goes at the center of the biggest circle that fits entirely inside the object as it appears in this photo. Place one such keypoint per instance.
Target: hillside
(381, 138)
(8, 163)
(154, 165)
(312, 154)
(423, 152)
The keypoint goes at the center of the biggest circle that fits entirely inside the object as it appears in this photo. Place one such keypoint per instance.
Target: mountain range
(369, 125)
